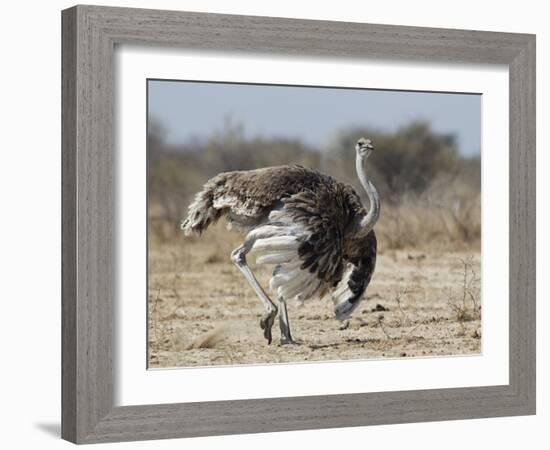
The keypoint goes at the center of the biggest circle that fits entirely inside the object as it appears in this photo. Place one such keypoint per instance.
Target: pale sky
(195, 109)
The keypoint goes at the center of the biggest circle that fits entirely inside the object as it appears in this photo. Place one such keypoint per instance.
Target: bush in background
(430, 194)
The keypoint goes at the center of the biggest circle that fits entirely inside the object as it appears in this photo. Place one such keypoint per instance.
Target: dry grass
(209, 339)
(445, 216)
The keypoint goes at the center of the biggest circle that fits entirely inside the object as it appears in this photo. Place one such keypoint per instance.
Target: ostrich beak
(364, 147)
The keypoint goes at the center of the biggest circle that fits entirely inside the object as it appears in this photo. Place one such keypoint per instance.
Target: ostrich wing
(349, 292)
(313, 240)
(320, 227)
(328, 216)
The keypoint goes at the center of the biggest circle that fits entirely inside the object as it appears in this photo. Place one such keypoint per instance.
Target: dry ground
(202, 311)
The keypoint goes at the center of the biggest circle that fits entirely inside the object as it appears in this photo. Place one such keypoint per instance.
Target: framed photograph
(279, 224)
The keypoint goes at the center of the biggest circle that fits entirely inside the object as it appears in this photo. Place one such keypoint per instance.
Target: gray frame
(90, 34)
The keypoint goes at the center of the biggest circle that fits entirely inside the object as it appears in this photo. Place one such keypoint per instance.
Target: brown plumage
(255, 193)
(306, 223)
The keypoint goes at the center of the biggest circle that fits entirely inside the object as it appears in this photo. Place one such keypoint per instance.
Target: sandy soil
(202, 312)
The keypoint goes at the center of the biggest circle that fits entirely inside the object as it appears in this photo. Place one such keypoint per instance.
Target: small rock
(379, 307)
(345, 325)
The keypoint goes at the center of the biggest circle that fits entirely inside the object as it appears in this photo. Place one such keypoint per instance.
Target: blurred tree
(155, 138)
(403, 162)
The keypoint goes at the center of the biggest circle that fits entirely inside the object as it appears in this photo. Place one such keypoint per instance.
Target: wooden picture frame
(90, 34)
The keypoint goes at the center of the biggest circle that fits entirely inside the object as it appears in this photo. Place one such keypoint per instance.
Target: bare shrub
(398, 299)
(154, 318)
(465, 303)
(380, 321)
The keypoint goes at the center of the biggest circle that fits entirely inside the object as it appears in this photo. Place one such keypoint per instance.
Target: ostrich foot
(286, 337)
(289, 341)
(266, 324)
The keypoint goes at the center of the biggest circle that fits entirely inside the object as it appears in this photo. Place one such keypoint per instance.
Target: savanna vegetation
(430, 194)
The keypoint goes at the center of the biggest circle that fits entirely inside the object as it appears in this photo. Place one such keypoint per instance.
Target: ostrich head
(364, 148)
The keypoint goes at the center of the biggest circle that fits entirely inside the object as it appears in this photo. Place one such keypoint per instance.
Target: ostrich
(311, 227)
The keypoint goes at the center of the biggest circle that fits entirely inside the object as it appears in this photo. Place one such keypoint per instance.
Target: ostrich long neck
(367, 223)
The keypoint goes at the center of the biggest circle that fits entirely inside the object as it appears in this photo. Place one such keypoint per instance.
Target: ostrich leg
(284, 325)
(238, 256)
